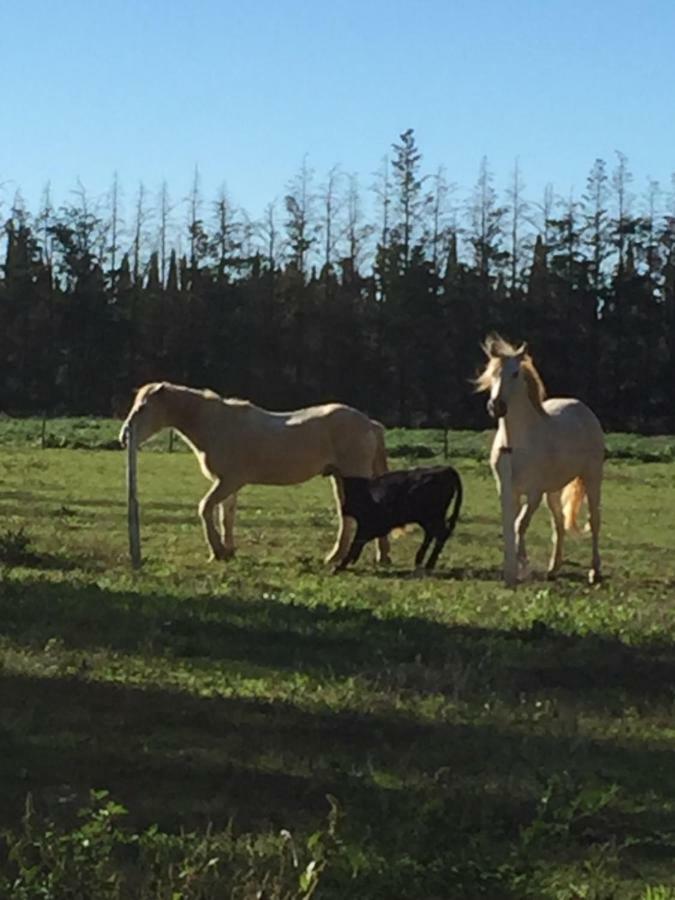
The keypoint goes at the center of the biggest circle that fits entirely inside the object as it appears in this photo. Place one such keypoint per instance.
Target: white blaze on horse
(542, 447)
(238, 443)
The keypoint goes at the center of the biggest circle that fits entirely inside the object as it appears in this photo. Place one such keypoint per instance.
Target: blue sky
(244, 90)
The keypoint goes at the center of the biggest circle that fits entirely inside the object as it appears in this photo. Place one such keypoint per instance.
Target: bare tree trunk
(329, 209)
(382, 188)
(438, 214)
(164, 213)
(518, 211)
(140, 218)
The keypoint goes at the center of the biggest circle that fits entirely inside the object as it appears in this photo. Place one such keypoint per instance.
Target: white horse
(545, 447)
(237, 443)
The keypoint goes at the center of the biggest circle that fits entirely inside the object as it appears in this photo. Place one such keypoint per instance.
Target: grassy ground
(369, 735)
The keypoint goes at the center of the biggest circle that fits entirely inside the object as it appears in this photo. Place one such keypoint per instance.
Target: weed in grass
(15, 547)
(95, 855)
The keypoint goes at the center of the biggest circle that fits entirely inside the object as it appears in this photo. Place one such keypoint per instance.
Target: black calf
(420, 496)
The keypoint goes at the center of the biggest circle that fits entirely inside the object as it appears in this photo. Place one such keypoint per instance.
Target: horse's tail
(380, 464)
(454, 515)
(572, 497)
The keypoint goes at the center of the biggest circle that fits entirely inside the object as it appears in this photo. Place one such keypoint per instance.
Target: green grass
(409, 444)
(465, 740)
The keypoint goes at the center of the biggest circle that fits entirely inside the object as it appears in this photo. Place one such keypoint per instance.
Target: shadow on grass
(17, 550)
(433, 794)
(465, 663)
(434, 791)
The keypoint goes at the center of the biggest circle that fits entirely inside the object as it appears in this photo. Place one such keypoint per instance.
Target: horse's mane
(146, 389)
(497, 349)
(206, 393)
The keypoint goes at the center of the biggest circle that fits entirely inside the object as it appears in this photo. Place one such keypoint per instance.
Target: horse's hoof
(511, 579)
(222, 555)
(594, 577)
(384, 561)
(552, 575)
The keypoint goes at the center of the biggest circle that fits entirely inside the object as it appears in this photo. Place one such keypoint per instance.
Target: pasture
(264, 729)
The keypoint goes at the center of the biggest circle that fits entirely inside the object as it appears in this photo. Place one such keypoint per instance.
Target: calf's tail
(454, 515)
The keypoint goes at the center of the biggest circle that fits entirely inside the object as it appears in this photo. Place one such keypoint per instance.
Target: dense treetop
(320, 301)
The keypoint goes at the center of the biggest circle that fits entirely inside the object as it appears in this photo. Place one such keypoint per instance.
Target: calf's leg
(352, 554)
(419, 556)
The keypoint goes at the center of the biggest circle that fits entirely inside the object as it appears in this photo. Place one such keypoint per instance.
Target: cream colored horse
(545, 447)
(237, 443)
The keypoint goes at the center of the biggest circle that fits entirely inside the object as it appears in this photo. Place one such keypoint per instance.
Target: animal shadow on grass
(17, 549)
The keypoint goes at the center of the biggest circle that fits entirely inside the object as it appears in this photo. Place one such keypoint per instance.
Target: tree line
(384, 309)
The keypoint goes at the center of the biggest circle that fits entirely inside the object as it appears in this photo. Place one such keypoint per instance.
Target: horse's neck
(184, 409)
(520, 423)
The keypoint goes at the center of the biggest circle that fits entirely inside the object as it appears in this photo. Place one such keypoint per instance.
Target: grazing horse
(546, 447)
(237, 443)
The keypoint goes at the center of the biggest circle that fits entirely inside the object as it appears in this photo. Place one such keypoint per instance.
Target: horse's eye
(515, 374)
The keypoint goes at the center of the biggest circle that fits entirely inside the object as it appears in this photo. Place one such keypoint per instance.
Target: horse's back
(290, 447)
(354, 439)
(576, 442)
(322, 413)
(571, 420)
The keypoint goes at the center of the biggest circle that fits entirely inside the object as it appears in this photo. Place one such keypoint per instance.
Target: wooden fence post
(132, 500)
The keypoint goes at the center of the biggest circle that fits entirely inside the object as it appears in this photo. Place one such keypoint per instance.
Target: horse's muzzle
(124, 435)
(496, 407)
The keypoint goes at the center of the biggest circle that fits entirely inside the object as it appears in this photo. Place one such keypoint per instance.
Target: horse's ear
(491, 347)
(522, 352)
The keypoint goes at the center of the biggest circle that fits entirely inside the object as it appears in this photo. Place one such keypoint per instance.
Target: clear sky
(151, 88)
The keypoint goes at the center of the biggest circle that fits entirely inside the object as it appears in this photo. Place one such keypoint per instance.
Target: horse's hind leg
(380, 466)
(553, 501)
(345, 527)
(228, 509)
(218, 492)
(592, 485)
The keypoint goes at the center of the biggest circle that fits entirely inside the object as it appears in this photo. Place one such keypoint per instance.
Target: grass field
(263, 729)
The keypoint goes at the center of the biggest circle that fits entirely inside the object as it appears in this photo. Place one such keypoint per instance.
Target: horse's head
(147, 413)
(508, 376)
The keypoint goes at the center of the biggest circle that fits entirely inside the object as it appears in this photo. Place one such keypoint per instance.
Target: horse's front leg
(228, 509)
(527, 510)
(219, 491)
(508, 501)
